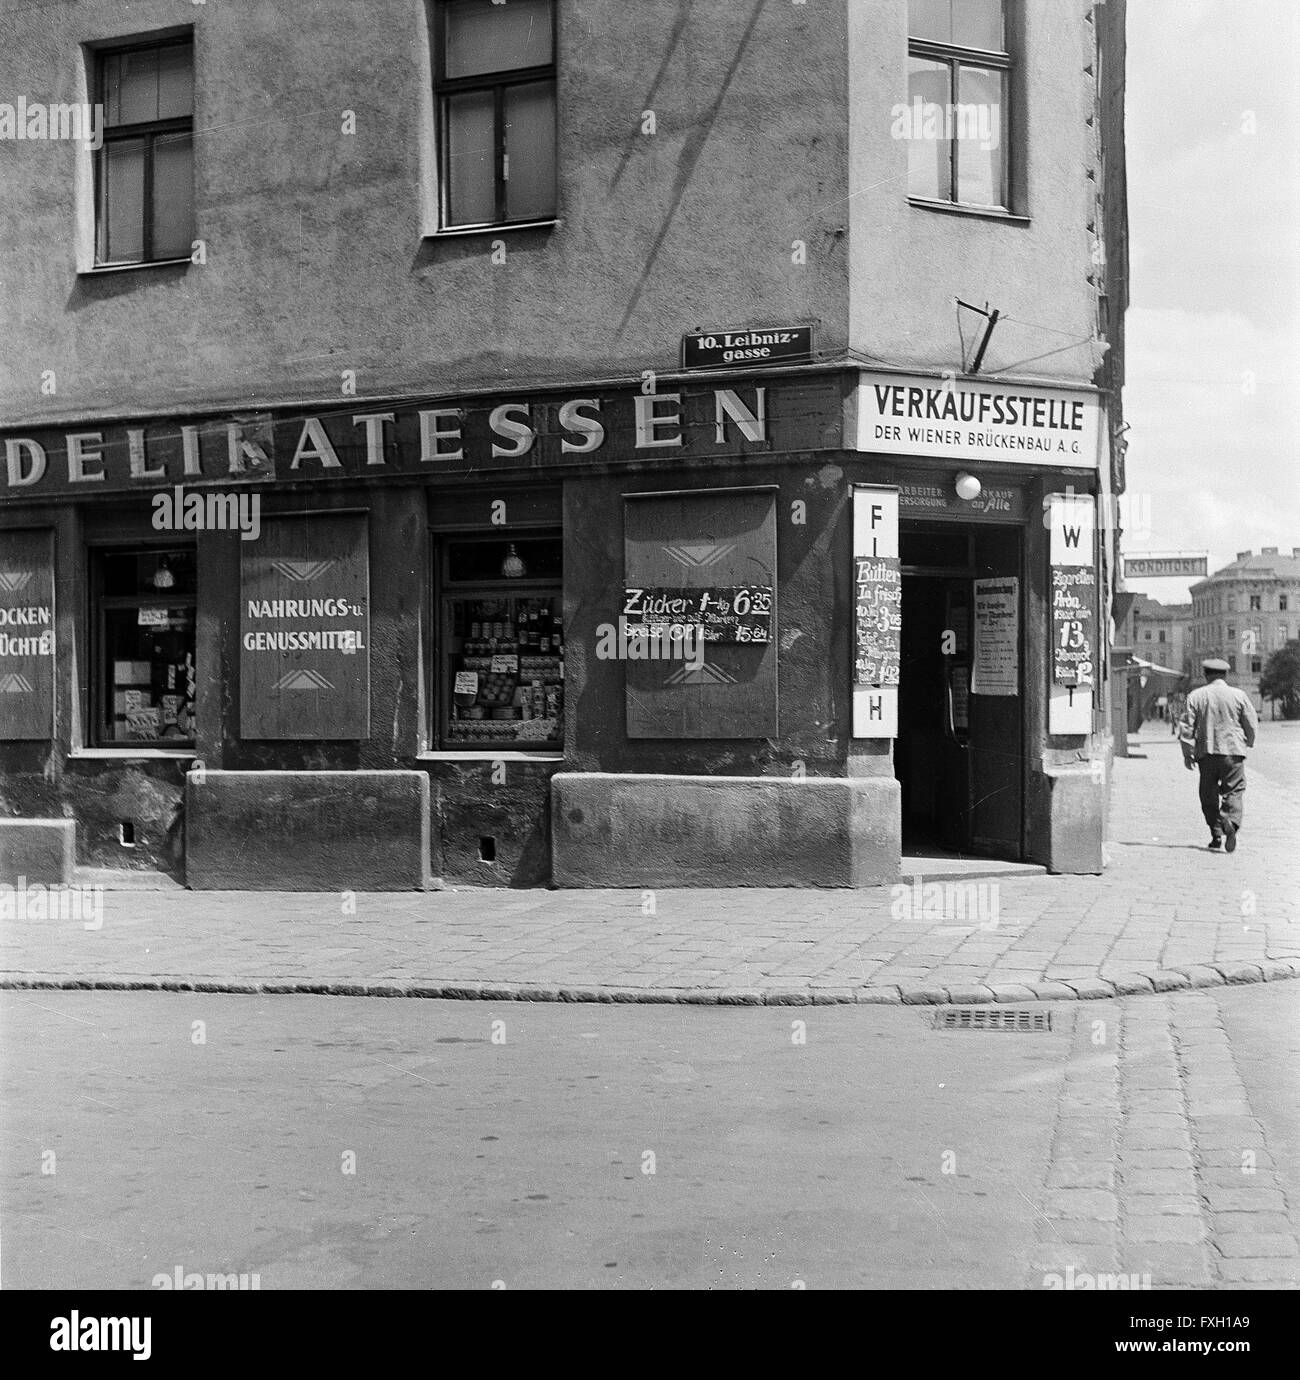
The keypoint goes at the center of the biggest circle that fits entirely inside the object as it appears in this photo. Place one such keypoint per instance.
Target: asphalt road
(879, 1152)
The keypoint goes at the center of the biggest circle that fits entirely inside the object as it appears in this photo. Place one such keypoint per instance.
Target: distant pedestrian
(1216, 729)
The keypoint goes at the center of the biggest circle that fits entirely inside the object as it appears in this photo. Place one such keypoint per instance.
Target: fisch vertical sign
(304, 630)
(1072, 609)
(877, 612)
(27, 636)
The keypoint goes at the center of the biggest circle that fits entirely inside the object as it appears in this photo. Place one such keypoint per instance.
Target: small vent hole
(126, 834)
(487, 849)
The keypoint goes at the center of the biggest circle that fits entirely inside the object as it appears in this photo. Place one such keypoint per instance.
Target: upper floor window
(1255, 601)
(495, 75)
(1281, 603)
(958, 71)
(144, 174)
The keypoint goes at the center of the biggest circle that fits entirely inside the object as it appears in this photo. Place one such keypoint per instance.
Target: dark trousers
(1223, 784)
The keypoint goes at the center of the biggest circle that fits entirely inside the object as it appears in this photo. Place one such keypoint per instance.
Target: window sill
(100, 269)
(459, 233)
(126, 754)
(489, 755)
(961, 208)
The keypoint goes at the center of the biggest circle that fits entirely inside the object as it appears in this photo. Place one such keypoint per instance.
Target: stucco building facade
(520, 332)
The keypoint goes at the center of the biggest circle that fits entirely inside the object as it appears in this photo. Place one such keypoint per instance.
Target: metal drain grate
(991, 1018)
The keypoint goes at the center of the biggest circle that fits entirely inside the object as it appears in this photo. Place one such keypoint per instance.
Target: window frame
(954, 56)
(99, 723)
(445, 591)
(149, 131)
(495, 81)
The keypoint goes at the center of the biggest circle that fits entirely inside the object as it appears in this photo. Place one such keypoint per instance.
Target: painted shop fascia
(404, 481)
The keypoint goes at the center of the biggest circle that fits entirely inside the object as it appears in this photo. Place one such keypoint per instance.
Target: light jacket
(1219, 719)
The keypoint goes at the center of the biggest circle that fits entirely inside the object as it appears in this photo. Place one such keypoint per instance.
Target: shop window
(495, 77)
(144, 666)
(958, 80)
(501, 643)
(144, 172)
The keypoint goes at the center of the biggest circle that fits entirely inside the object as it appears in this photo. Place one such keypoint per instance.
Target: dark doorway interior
(958, 756)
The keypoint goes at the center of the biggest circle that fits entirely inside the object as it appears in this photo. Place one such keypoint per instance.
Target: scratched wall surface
(317, 255)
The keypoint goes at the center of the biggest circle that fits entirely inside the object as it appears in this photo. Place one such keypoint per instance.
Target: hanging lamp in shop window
(513, 568)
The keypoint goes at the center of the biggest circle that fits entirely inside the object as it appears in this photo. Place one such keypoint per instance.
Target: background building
(1246, 611)
(418, 278)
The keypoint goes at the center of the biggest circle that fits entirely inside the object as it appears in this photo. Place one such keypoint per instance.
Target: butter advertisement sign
(973, 419)
(375, 441)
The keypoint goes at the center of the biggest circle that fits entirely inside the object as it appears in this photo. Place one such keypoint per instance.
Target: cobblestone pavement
(1165, 1170)
(1166, 915)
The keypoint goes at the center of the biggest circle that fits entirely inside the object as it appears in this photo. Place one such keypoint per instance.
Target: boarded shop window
(28, 637)
(956, 120)
(501, 643)
(304, 634)
(145, 670)
(495, 77)
(703, 564)
(144, 172)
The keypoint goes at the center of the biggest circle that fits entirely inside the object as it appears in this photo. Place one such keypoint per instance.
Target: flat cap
(1214, 663)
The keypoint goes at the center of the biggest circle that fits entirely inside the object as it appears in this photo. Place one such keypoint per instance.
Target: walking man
(1217, 727)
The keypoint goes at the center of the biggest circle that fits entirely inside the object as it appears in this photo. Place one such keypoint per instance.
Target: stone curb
(1077, 989)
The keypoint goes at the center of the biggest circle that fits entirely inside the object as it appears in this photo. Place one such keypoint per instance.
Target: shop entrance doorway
(958, 756)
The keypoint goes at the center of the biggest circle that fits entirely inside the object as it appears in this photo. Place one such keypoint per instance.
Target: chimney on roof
(1268, 551)
(1243, 555)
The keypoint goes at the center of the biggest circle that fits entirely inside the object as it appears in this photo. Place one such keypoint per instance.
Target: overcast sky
(1213, 391)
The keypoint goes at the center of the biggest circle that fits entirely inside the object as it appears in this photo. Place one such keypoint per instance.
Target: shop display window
(502, 645)
(145, 653)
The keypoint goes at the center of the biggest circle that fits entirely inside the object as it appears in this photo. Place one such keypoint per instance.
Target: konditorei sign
(1138, 567)
(762, 345)
(977, 420)
(378, 440)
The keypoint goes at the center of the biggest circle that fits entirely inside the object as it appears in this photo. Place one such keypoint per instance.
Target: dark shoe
(1216, 843)
(1230, 840)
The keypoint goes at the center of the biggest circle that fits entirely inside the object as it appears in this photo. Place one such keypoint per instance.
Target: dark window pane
(471, 172)
(979, 120)
(483, 37)
(168, 573)
(175, 81)
(482, 560)
(138, 96)
(530, 148)
(929, 150)
(173, 196)
(121, 214)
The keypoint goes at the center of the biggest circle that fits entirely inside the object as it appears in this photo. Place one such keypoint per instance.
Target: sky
(1213, 329)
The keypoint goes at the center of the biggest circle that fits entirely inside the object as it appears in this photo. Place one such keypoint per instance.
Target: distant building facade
(1245, 612)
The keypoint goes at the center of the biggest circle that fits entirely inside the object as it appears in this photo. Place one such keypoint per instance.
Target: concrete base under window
(43, 851)
(1071, 802)
(674, 831)
(307, 831)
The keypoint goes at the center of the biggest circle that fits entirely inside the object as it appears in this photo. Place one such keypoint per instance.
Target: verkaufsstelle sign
(1137, 566)
(762, 345)
(977, 420)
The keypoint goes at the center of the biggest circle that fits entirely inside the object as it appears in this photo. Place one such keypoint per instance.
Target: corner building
(377, 392)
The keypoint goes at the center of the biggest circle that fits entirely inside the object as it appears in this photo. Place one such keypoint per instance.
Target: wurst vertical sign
(304, 629)
(27, 636)
(877, 611)
(1072, 605)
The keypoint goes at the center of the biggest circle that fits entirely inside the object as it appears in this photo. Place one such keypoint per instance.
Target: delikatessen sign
(379, 440)
(975, 420)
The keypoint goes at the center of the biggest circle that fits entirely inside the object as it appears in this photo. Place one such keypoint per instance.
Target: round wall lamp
(968, 487)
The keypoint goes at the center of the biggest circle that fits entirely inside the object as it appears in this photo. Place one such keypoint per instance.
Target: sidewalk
(1167, 914)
